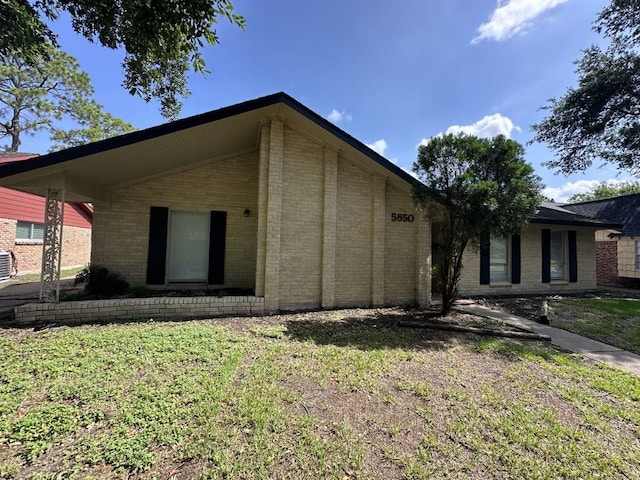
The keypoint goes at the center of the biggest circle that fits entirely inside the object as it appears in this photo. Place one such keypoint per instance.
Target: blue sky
(389, 73)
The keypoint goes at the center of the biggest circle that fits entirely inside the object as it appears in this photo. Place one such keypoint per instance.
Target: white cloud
(512, 17)
(337, 116)
(564, 192)
(487, 127)
(378, 146)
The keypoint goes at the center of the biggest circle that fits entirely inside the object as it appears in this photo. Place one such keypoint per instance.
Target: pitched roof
(555, 214)
(281, 98)
(624, 210)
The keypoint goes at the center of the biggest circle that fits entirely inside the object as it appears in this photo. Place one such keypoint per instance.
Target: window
(498, 260)
(558, 255)
(637, 254)
(27, 231)
(188, 246)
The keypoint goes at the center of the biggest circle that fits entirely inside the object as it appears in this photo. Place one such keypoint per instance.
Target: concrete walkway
(592, 349)
(16, 294)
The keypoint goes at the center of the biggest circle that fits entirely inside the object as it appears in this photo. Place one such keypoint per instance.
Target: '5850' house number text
(402, 217)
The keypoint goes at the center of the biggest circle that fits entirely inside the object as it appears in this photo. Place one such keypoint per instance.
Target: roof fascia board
(576, 223)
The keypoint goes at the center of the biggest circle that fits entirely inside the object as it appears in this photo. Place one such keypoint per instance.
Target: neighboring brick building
(270, 197)
(22, 228)
(624, 210)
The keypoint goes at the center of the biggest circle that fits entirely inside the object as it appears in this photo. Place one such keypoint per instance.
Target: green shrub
(99, 280)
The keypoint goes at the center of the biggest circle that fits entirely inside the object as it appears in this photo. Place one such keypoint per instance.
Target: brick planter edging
(164, 308)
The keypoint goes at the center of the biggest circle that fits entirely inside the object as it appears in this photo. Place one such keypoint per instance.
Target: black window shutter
(484, 262)
(217, 237)
(546, 255)
(573, 256)
(515, 258)
(157, 252)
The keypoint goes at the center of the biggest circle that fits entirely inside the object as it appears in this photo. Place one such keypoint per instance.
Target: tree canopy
(606, 190)
(162, 39)
(476, 188)
(50, 94)
(599, 119)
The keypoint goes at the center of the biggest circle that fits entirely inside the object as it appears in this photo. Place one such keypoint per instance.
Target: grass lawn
(340, 395)
(35, 277)
(611, 320)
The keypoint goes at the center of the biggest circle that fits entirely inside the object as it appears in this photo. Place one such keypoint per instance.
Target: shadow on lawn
(374, 332)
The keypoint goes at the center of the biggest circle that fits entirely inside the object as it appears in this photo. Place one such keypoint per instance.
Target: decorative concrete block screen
(123, 309)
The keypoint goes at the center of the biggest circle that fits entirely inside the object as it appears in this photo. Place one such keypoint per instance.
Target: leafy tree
(162, 39)
(44, 94)
(607, 190)
(600, 118)
(478, 188)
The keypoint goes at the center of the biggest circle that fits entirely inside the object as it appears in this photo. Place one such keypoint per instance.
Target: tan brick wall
(302, 219)
(401, 249)
(324, 231)
(531, 279)
(627, 257)
(333, 231)
(159, 308)
(353, 242)
(121, 226)
(76, 247)
(330, 211)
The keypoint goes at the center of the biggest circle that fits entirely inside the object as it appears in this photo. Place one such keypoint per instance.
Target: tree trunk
(14, 131)
(454, 263)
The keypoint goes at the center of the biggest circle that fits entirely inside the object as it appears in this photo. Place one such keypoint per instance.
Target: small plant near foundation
(101, 281)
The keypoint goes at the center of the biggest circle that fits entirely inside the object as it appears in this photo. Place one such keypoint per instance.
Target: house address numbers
(402, 217)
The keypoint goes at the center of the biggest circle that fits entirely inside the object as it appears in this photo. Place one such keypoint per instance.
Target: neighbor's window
(558, 255)
(499, 260)
(30, 231)
(637, 255)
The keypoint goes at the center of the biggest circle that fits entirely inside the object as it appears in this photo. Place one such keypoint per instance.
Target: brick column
(263, 179)
(274, 211)
(423, 257)
(378, 213)
(329, 228)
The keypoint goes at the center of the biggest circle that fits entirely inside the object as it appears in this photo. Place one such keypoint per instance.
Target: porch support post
(52, 245)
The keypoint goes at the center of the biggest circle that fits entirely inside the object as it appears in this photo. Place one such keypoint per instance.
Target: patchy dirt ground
(530, 306)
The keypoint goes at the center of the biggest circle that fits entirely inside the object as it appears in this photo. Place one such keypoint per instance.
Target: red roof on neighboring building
(17, 205)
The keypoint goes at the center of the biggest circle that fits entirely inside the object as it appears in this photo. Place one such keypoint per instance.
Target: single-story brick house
(22, 227)
(264, 195)
(618, 250)
(268, 196)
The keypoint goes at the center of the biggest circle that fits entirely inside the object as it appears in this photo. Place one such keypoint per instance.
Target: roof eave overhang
(88, 171)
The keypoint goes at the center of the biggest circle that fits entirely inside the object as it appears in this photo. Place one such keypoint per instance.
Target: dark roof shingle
(555, 214)
(624, 210)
